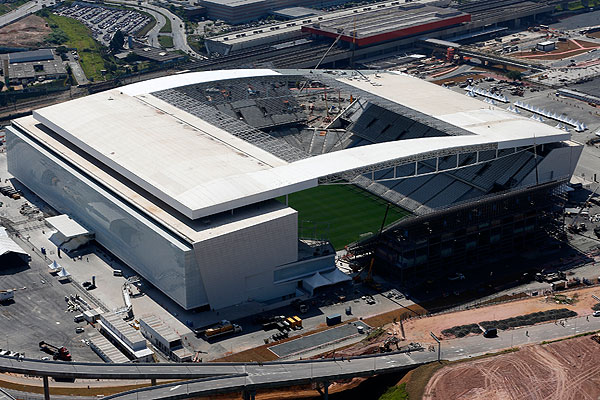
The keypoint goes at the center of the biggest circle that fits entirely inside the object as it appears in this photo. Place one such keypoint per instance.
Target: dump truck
(223, 328)
(58, 353)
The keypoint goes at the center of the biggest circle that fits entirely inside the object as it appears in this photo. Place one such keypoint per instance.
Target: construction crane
(573, 227)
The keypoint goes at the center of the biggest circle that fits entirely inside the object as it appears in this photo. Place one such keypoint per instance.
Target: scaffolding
(479, 231)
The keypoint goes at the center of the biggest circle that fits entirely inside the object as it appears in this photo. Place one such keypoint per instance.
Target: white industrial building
(184, 192)
(163, 337)
(128, 340)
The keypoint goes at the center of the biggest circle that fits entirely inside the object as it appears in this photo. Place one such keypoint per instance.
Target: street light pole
(439, 345)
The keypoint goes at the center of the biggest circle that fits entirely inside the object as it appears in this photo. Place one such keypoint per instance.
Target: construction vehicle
(573, 227)
(596, 338)
(573, 282)
(223, 328)
(299, 305)
(386, 347)
(58, 353)
(295, 322)
(555, 276)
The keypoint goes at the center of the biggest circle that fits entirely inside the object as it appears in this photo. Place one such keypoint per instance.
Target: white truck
(6, 295)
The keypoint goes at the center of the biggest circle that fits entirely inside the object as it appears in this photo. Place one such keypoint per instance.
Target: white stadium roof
(200, 169)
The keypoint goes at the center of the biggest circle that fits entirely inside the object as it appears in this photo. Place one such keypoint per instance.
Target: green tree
(60, 50)
(514, 75)
(116, 42)
(44, 13)
(57, 37)
(132, 57)
(69, 75)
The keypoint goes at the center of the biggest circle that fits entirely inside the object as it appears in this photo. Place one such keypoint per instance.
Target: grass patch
(196, 43)
(167, 27)
(395, 393)
(576, 5)
(416, 380)
(348, 211)
(571, 337)
(144, 31)
(165, 41)
(80, 37)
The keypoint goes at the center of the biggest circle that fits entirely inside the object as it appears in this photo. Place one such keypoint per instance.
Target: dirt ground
(417, 329)
(563, 50)
(28, 32)
(566, 370)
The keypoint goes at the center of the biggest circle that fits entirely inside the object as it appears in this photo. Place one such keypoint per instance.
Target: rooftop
(200, 169)
(232, 3)
(405, 19)
(164, 330)
(33, 69)
(67, 226)
(32, 55)
(108, 349)
(157, 54)
(297, 12)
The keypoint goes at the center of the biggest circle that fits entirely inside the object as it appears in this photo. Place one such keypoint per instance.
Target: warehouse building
(385, 24)
(178, 176)
(239, 11)
(29, 66)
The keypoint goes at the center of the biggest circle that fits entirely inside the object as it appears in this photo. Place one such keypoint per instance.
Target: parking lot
(105, 21)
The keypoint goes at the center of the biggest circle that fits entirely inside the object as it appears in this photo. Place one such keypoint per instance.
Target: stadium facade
(178, 176)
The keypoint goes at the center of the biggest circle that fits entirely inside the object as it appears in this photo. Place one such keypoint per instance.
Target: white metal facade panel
(239, 266)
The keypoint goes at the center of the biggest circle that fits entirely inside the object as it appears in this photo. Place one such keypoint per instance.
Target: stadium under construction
(195, 213)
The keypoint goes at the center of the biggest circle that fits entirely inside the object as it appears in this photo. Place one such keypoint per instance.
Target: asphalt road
(234, 377)
(153, 33)
(77, 70)
(276, 375)
(279, 375)
(23, 11)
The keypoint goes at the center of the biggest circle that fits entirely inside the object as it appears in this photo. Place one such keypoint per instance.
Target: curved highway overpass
(218, 378)
(268, 376)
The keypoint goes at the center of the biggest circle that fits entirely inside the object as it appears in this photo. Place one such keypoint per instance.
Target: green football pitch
(340, 213)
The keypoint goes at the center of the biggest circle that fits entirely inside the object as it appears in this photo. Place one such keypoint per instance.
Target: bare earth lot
(566, 370)
(417, 329)
(28, 32)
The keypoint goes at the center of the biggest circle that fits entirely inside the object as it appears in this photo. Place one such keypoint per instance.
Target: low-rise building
(163, 337)
(159, 55)
(126, 338)
(29, 66)
(547, 45)
(106, 350)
